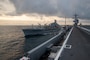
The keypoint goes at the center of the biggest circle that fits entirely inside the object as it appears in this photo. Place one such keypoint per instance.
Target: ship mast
(76, 21)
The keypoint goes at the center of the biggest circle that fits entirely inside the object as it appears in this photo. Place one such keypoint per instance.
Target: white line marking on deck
(68, 46)
(62, 48)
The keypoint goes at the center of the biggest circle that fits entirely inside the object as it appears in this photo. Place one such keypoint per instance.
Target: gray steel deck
(80, 50)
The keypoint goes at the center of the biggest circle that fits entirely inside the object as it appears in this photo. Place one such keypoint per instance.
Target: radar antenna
(76, 21)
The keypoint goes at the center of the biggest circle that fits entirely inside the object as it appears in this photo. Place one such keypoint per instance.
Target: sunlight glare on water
(11, 42)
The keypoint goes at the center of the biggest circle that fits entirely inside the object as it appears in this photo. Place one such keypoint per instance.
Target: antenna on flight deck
(76, 21)
(65, 23)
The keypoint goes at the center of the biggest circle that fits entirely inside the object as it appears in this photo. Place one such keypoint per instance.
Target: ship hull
(39, 50)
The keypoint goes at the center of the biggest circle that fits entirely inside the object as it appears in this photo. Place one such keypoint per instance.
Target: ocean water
(12, 42)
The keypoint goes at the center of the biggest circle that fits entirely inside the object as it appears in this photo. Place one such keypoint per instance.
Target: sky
(21, 11)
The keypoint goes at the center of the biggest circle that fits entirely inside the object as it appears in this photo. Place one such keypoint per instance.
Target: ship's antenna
(65, 22)
(76, 21)
(75, 16)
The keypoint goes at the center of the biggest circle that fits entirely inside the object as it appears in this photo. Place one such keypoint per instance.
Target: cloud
(35, 6)
(60, 8)
(84, 9)
(6, 7)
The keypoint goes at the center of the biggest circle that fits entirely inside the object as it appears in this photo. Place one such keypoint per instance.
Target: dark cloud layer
(54, 7)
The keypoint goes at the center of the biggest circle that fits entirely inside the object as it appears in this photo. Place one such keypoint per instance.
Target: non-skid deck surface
(80, 50)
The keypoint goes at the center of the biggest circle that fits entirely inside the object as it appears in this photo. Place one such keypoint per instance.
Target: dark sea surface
(12, 42)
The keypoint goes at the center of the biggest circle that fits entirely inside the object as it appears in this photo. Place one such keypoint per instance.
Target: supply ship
(72, 43)
(49, 34)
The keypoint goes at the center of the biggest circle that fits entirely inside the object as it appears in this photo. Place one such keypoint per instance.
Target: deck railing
(63, 46)
(35, 53)
(85, 30)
